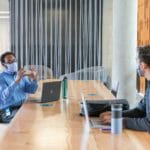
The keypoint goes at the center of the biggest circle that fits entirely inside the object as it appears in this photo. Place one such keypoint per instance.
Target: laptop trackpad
(96, 123)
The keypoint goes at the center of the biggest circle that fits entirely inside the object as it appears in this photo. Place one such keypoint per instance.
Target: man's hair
(144, 54)
(2, 59)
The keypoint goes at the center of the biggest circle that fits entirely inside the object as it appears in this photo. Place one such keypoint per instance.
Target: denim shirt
(12, 93)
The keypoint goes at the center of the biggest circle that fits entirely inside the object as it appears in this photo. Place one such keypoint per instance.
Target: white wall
(107, 45)
(4, 5)
(4, 26)
(108, 50)
(4, 35)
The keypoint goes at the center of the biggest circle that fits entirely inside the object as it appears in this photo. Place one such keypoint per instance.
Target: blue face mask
(140, 72)
(12, 68)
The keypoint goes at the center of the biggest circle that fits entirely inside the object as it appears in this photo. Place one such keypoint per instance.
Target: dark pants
(4, 117)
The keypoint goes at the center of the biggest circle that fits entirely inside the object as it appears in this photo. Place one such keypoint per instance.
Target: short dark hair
(2, 59)
(144, 54)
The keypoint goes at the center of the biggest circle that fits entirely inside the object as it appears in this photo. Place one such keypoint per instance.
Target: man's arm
(6, 91)
(141, 124)
(136, 119)
(133, 113)
(138, 112)
(30, 85)
(132, 118)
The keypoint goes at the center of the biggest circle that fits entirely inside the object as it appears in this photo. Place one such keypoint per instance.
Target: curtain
(64, 35)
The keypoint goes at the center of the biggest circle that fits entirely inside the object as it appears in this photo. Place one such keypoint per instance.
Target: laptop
(50, 92)
(93, 122)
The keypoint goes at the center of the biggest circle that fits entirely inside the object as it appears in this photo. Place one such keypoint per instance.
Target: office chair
(114, 88)
(89, 73)
(106, 81)
(43, 72)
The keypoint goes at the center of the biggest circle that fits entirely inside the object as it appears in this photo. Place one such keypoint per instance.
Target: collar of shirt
(10, 73)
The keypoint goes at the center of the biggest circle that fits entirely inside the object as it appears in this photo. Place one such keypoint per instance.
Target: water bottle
(65, 88)
(116, 119)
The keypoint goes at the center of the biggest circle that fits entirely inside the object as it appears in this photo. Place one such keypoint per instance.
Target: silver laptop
(93, 122)
(50, 92)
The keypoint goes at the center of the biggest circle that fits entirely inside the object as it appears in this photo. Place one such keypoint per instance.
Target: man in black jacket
(139, 117)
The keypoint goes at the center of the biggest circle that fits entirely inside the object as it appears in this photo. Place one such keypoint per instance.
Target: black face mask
(140, 72)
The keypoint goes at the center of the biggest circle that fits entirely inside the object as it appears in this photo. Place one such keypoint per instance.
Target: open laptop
(50, 92)
(93, 122)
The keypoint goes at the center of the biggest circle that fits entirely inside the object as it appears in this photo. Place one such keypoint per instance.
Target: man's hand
(105, 117)
(20, 75)
(31, 73)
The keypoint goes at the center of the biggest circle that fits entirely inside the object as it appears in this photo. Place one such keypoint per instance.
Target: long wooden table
(59, 127)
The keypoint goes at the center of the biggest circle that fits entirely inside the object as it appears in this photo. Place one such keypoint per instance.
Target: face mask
(12, 68)
(140, 72)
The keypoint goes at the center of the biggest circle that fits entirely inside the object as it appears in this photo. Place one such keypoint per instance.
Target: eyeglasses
(12, 61)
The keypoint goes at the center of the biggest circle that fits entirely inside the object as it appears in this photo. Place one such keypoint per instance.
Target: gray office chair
(114, 88)
(107, 81)
(90, 73)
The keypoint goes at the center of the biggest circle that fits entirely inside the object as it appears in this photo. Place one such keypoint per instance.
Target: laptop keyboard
(95, 123)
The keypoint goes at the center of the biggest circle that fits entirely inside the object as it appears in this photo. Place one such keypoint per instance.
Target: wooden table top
(59, 127)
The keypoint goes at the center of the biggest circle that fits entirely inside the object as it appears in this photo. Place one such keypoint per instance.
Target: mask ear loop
(3, 64)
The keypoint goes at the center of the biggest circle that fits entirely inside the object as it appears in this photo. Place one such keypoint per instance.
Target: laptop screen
(85, 108)
(51, 91)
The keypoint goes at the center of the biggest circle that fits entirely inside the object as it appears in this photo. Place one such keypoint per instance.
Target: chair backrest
(91, 73)
(43, 72)
(114, 88)
(107, 81)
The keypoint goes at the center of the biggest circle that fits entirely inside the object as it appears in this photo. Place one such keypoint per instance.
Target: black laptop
(50, 92)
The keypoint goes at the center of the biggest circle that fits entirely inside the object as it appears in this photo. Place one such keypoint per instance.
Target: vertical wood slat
(143, 22)
(143, 37)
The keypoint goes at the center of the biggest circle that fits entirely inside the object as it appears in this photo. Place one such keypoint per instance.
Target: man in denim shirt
(14, 85)
(139, 117)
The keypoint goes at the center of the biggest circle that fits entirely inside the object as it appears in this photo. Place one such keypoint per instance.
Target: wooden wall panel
(143, 35)
(143, 22)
